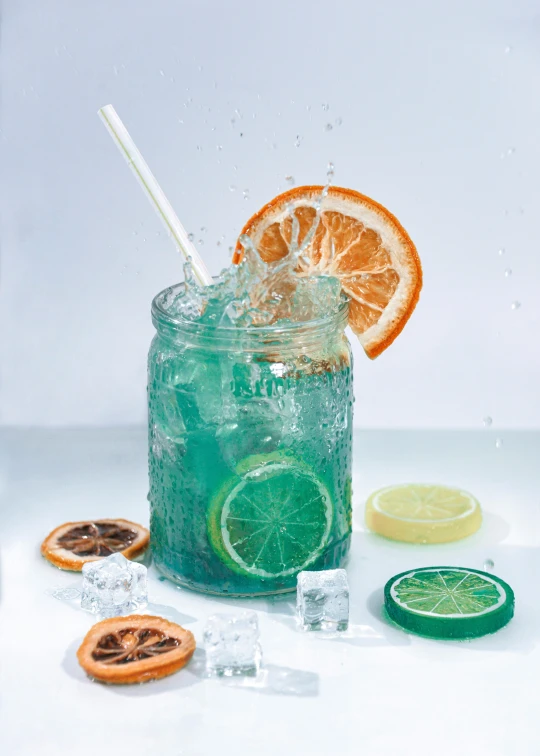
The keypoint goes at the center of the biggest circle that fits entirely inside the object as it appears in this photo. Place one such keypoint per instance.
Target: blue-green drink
(250, 452)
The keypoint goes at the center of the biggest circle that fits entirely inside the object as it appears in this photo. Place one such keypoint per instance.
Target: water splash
(255, 292)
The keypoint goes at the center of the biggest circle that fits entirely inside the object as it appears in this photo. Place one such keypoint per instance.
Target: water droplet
(241, 133)
(191, 236)
(199, 148)
(510, 150)
(515, 305)
(290, 180)
(489, 564)
(135, 233)
(325, 106)
(499, 443)
(508, 272)
(501, 251)
(203, 229)
(328, 127)
(162, 73)
(115, 69)
(298, 140)
(339, 121)
(246, 194)
(233, 121)
(172, 79)
(219, 147)
(487, 421)
(200, 68)
(507, 50)
(274, 146)
(232, 188)
(201, 242)
(180, 120)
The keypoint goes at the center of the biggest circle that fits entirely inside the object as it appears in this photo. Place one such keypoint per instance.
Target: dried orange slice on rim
(358, 241)
(73, 544)
(135, 649)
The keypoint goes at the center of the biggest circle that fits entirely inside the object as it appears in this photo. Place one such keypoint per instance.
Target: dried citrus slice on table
(449, 602)
(357, 241)
(135, 649)
(423, 513)
(73, 544)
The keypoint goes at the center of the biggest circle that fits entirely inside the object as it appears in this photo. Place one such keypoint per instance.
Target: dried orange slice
(358, 241)
(73, 544)
(135, 649)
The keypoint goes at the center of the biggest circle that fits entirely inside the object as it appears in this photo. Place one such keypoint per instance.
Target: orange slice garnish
(135, 649)
(358, 241)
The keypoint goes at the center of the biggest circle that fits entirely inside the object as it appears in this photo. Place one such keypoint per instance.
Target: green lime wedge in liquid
(272, 518)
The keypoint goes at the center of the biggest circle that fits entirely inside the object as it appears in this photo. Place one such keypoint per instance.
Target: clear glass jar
(250, 436)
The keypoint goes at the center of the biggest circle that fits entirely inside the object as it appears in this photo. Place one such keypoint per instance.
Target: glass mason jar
(250, 435)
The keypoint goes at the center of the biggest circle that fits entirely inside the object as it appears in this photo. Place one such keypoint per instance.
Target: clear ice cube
(114, 586)
(322, 600)
(232, 644)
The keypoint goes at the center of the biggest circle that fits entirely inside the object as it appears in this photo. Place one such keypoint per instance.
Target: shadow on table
(272, 679)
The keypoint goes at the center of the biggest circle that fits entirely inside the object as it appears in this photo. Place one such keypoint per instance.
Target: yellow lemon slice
(423, 513)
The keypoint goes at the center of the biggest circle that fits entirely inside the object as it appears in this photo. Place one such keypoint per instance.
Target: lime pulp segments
(271, 519)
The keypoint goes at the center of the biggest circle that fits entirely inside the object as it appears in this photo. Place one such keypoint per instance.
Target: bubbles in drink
(328, 127)
(508, 272)
(515, 305)
(339, 121)
(232, 188)
(245, 194)
(191, 236)
(290, 180)
(330, 171)
(499, 443)
(489, 564)
(219, 147)
(201, 242)
(488, 421)
(203, 229)
(298, 140)
(325, 106)
(501, 251)
(507, 50)
(162, 73)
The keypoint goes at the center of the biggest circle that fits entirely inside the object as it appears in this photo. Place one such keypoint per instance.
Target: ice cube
(232, 644)
(113, 586)
(322, 600)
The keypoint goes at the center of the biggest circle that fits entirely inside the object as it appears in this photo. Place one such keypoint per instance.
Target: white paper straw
(161, 204)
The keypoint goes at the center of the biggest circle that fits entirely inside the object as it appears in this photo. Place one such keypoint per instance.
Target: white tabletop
(377, 690)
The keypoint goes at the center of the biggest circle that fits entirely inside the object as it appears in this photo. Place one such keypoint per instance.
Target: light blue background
(440, 122)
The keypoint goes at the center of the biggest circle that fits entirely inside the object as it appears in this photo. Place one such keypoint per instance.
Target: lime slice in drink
(272, 518)
(422, 513)
(449, 602)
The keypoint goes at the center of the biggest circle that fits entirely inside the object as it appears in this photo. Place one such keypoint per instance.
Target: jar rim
(162, 317)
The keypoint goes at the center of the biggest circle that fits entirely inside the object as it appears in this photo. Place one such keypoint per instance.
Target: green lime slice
(449, 602)
(272, 518)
